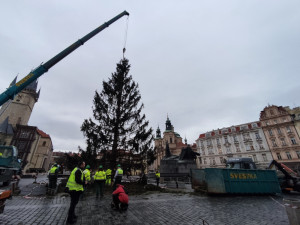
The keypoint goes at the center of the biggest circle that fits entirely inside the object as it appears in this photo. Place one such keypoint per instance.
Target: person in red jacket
(120, 198)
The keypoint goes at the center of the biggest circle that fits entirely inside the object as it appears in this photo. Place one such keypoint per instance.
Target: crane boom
(43, 68)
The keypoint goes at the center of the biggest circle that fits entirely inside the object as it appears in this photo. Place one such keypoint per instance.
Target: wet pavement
(151, 208)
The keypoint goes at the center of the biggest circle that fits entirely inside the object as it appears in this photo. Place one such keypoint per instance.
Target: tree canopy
(118, 122)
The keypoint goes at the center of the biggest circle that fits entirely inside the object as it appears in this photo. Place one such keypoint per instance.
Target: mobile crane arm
(43, 68)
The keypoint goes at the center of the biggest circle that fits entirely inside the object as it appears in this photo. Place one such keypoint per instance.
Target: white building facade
(246, 140)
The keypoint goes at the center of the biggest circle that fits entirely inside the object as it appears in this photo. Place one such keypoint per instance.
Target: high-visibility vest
(100, 175)
(87, 174)
(108, 172)
(120, 172)
(72, 184)
(53, 169)
(157, 175)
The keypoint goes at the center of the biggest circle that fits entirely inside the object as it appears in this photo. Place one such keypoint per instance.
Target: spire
(168, 124)
(185, 140)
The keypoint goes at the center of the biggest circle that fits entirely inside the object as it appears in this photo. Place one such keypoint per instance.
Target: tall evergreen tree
(118, 120)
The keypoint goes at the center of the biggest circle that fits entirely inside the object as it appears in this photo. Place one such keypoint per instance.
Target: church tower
(18, 110)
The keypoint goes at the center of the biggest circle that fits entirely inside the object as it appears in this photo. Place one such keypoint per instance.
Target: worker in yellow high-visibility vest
(53, 174)
(108, 177)
(157, 176)
(100, 178)
(75, 186)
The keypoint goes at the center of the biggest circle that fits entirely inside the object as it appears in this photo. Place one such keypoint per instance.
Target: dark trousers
(118, 180)
(52, 181)
(99, 187)
(75, 195)
(157, 181)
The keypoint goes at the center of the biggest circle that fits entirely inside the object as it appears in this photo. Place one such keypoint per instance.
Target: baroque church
(174, 141)
(34, 146)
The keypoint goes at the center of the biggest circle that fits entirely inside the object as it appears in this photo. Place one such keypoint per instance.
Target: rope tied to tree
(125, 37)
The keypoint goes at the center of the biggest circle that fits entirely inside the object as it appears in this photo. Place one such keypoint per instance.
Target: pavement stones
(159, 208)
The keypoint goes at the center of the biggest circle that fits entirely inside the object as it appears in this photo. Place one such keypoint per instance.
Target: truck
(239, 177)
(9, 163)
(289, 180)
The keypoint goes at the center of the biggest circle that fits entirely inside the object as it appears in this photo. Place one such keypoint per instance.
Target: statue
(188, 154)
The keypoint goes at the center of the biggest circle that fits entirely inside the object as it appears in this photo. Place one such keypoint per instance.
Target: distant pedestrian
(118, 176)
(75, 185)
(157, 176)
(100, 178)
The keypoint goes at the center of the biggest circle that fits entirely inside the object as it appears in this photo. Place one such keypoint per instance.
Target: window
(264, 156)
(247, 147)
(221, 160)
(270, 132)
(24, 134)
(245, 127)
(279, 131)
(238, 149)
(284, 119)
(170, 140)
(293, 141)
(235, 138)
(257, 135)
(228, 150)
(261, 146)
(44, 143)
(288, 155)
(298, 154)
(218, 141)
(288, 129)
(254, 125)
(251, 147)
(283, 142)
(254, 158)
(226, 139)
(274, 143)
(209, 142)
(278, 156)
(204, 160)
(220, 150)
(275, 121)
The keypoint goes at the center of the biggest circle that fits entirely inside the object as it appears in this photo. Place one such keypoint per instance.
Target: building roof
(232, 129)
(43, 134)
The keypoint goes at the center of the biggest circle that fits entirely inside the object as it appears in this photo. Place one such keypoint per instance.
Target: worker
(53, 174)
(120, 198)
(100, 178)
(75, 186)
(108, 177)
(118, 176)
(157, 175)
(87, 176)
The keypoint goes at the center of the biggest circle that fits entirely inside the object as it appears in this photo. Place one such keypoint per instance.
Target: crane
(43, 68)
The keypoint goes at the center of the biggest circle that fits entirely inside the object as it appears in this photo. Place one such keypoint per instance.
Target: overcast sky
(207, 64)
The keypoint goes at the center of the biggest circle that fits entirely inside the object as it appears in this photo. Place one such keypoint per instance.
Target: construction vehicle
(9, 163)
(239, 177)
(43, 68)
(289, 180)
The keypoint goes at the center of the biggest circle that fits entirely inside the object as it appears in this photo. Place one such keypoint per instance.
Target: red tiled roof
(43, 134)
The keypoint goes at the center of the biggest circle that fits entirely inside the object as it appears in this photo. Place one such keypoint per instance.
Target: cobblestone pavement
(159, 208)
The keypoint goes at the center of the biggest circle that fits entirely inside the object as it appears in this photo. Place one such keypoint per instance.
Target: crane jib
(39, 71)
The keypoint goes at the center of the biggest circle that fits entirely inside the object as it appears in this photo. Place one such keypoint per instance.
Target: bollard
(292, 207)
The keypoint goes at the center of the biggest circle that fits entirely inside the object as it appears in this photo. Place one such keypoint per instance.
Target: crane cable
(125, 37)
